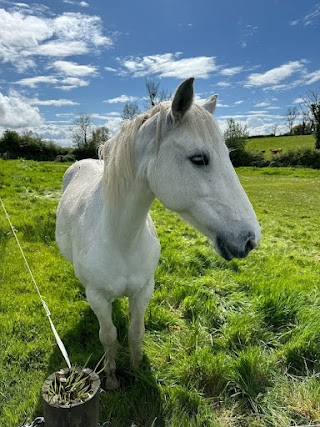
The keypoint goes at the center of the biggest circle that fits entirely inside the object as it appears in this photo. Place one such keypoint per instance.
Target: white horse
(175, 152)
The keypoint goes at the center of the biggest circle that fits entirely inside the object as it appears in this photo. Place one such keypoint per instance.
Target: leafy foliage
(29, 146)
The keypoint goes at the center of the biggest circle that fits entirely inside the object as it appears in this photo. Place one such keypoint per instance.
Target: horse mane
(118, 152)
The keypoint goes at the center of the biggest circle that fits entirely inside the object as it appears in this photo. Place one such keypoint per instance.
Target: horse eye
(200, 159)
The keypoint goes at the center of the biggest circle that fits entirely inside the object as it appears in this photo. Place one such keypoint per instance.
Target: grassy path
(227, 343)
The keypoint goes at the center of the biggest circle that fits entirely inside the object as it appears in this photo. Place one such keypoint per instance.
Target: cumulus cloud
(169, 65)
(276, 75)
(16, 112)
(25, 35)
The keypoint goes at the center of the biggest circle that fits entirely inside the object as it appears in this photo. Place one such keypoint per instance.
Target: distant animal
(175, 152)
(276, 150)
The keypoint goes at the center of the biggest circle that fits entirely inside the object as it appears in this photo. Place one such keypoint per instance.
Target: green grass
(227, 343)
(285, 142)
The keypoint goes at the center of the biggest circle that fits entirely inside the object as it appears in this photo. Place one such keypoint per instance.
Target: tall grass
(227, 343)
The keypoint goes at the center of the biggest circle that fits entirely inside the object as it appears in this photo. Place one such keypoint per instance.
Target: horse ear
(183, 99)
(211, 103)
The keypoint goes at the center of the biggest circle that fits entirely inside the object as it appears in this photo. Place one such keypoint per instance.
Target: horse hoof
(111, 382)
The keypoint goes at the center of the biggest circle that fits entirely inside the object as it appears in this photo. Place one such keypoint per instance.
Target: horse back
(84, 170)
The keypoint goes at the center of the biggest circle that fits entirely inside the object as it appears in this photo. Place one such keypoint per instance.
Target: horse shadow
(138, 401)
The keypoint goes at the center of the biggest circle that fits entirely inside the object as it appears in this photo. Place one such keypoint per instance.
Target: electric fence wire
(55, 333)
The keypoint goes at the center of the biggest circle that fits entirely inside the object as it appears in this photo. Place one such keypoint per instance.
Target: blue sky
(64, 57)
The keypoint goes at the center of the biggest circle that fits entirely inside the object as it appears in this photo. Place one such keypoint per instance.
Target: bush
(304, 157)
(244, 158)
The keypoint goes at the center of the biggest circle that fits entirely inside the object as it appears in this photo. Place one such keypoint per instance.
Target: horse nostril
(251, 244)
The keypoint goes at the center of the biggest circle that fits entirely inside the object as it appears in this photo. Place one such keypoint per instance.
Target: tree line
(28, 145)
(86, 137)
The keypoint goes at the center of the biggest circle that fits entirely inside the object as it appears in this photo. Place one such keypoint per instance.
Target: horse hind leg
(102, 308)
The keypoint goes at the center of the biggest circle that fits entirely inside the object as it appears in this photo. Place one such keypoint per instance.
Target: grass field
(227, 343)
(285, 142)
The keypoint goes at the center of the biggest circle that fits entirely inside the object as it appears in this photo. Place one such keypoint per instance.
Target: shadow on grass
(138, 401)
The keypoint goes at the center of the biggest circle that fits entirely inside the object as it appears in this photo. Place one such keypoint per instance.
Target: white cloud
(16, 112)
(276, 75)
(76, 3)
(313, 16)
(35, 81)
(25, 35)
(71, 83)
(262, 104)
(223, 84)
(231, 71)
(53, 102)
(169, 65)
(247, 32)
(298, 100)
(112, 70)
(313, 77)
(74, 69)
(57, 48)
(121, 99)
(239, 102)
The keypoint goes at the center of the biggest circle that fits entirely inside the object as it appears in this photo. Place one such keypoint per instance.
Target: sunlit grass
(227, 343)
(286, 143)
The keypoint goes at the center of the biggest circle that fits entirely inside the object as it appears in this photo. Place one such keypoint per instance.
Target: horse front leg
(102, 308)
(138, 304)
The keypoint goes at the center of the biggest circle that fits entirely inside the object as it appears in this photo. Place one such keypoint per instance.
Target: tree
(82, 131)
(86, 137)
(155, 94)
(100, 135)
(274, 128)
(236, 136)
(10, 142)
(130, 110)
(291, 116)
(312, 101)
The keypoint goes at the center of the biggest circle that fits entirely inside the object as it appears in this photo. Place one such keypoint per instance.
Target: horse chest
(119, 272)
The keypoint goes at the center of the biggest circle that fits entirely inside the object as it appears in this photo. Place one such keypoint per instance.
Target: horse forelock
(118, 152)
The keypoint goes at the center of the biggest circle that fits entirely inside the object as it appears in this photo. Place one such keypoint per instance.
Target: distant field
(285, 142)
(227, 344)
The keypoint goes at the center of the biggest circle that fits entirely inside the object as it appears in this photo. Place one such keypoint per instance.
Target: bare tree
(130, 110)
(82, 130)
(291, 116)
(312, 101)
(274, 128)
(155, 94)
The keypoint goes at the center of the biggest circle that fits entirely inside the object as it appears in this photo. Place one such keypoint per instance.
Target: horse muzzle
(230, 247)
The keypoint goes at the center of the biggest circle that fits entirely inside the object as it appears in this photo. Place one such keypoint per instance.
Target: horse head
(191, 173)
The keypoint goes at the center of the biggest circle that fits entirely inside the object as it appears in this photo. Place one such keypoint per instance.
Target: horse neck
(127, 218)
